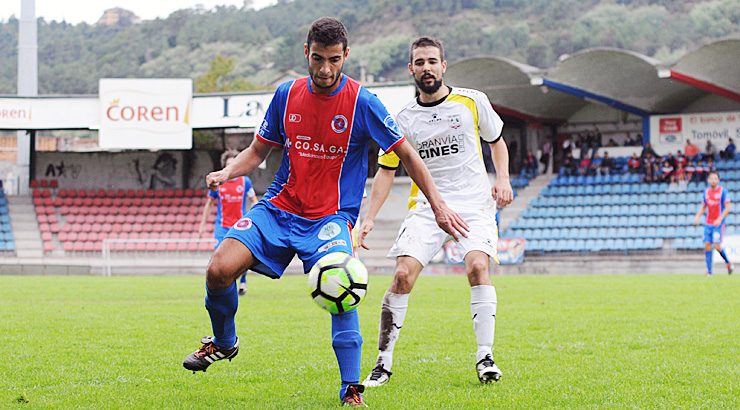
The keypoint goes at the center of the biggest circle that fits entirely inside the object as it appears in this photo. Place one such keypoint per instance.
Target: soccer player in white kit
(445, 125)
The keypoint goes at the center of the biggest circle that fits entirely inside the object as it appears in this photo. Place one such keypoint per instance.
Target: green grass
(658, 341)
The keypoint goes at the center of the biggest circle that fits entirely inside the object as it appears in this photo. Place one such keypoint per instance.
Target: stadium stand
(7, 243)
(616, 213)
(78, 220)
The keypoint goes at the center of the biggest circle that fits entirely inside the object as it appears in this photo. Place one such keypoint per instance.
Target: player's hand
(216, 178)
(451, 222)
(717, 222)
(365, 228)
(502, 192)
(696, 220)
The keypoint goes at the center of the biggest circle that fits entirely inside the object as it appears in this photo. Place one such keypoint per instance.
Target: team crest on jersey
(339, 124)
(243, 224)
(390, 123)
(239, 189)
(329, 231)
(455, 122)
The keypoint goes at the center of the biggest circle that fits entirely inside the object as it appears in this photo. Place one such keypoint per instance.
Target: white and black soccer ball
(338, 282)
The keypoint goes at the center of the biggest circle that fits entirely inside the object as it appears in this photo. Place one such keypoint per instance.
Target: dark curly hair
(426, 42)
(327, 31)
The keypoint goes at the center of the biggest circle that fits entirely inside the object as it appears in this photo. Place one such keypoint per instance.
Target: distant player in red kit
(716, 202)
(232, 199)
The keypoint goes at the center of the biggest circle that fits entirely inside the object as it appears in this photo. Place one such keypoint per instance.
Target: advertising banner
(510, 251)
(145, 114)
(668, 133)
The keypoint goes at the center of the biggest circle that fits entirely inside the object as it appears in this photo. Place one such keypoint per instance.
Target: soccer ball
(338, 282)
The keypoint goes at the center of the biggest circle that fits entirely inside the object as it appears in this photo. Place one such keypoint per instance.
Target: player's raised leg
(227, 263)
(483, 311)
(720, 233)
(392, 315)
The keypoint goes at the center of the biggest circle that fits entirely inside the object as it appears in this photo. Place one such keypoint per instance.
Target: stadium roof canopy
(714, 67)
(624, 80)
(508, 85)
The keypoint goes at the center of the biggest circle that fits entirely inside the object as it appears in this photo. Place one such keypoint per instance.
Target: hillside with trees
(230, 48)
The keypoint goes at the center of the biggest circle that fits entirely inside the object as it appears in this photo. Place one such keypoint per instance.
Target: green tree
(219, 78)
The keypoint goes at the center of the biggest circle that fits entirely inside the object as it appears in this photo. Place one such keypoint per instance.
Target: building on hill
(118, 17)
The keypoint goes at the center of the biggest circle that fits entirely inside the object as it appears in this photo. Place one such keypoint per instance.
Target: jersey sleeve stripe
(266, 141)
(396, 144)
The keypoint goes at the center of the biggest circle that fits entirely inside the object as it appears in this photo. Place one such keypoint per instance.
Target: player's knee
(707, 246)
(347, 339)
(403, 280)
(217, 276)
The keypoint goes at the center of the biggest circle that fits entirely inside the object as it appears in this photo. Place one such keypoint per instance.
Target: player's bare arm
(502, 192)
(204, 215)
(243, 164)
(446, 218)
(723, 215)
(382, 184)
(697, 217)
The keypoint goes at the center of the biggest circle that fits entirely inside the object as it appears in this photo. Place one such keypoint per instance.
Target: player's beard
(327, 87)
(428, 89)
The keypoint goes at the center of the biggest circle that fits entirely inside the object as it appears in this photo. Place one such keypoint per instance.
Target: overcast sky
(76, 11)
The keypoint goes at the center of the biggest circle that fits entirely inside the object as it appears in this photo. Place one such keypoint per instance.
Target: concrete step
(28, 244)
(26, 235)
(30, 253)
(22, 217)
(20, 200)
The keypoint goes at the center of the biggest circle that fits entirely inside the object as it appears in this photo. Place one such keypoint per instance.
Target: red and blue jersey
(232, 200)
(715, 200)
(326, 138)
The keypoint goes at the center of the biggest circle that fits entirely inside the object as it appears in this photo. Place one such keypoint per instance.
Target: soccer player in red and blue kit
(232, 199)
(324, 123)
(716, 202)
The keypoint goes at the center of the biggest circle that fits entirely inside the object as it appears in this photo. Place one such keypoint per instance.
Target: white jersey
(447, 135)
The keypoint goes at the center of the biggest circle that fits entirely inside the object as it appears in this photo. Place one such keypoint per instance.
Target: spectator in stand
(671, 159)
(700, 172)
(709, 151)
(612, 143)
(681, 159)
(637, 141)
(729, 151)
(710, 167)
(567, 146)
(593, 168)
(690, 169)
(583, 167)
(607, 164)
(530, 165)
(633, 164)
(679, 175)
(666, 171)
(569, 165)
(650, 165)
(545, 157)
(691, 150)
(647, 149)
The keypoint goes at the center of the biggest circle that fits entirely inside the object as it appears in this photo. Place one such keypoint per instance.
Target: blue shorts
(219, 233)
(714, 234)
(275, 236)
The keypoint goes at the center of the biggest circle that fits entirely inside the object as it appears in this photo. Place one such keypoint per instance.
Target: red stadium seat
(48, 247)
(68, 246)
(44, 183)
(54, 183)
(34, 183)
(83, 236)
(81, 193)
(78, 246)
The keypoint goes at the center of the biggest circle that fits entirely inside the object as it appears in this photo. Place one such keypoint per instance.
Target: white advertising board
(145, 114)
(668, 133)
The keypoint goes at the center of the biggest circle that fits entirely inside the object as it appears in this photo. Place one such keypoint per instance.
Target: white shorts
(421, 238)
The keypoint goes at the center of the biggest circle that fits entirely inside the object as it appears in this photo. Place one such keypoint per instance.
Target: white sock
(392, 315)
(483, 310)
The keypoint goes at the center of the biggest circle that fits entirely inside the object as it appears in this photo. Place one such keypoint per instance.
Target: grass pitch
(659, 341)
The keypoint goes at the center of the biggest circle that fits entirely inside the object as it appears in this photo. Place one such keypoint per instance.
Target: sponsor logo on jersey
(455, 122)
(243, 224)
(435, 118)
(339, 124)
(438, 147)
(329, 245)
(294, 118)
(264, 127)
(329, 231)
